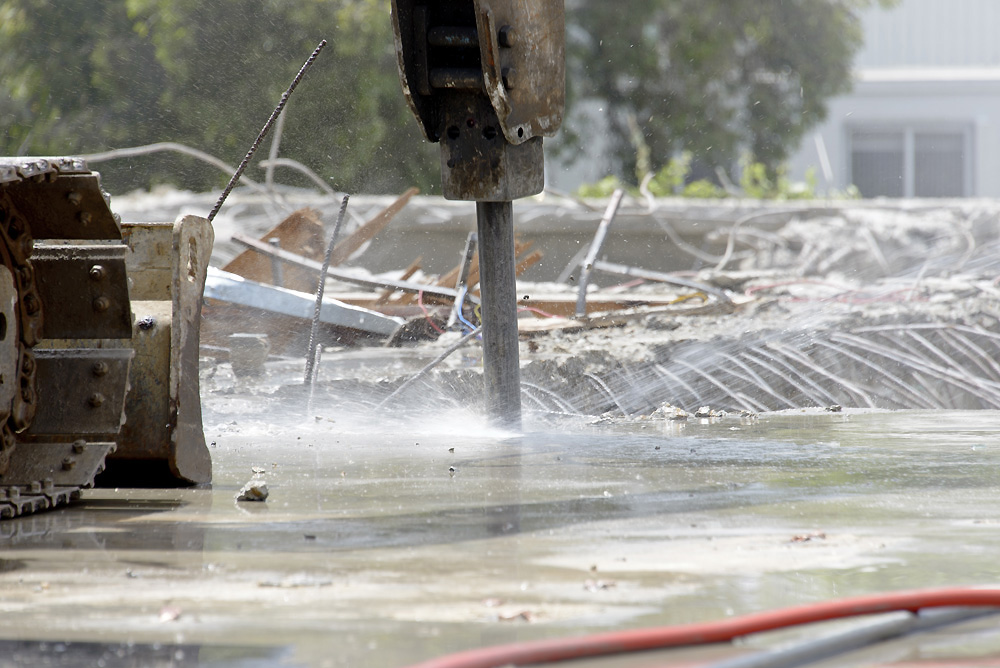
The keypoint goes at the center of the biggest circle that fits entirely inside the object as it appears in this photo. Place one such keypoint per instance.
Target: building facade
(923, 119)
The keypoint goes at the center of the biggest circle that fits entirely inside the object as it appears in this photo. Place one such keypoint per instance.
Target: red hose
(701, 633)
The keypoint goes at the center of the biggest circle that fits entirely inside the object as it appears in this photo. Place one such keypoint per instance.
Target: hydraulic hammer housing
(486, 79)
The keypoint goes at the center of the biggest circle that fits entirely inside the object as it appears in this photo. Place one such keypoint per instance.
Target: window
(911, 162)
(877, 163)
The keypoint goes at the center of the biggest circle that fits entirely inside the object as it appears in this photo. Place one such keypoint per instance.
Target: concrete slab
(390, 539)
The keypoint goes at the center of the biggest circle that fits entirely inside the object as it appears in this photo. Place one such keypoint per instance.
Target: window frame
(910, 130)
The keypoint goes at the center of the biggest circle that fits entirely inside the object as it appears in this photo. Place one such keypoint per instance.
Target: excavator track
(65, 332)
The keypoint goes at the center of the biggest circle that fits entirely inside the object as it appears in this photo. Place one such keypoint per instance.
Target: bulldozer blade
(162, 441)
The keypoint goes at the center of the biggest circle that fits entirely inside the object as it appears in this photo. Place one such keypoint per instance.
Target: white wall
(974, 105)
(926, 63)
(939, 33)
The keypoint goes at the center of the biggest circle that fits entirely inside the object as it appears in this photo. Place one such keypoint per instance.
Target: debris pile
(872, 305)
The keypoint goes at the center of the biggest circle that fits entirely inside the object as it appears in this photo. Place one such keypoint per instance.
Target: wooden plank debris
(428, 300)
(407, 275)
(369, 230)
(301, 232)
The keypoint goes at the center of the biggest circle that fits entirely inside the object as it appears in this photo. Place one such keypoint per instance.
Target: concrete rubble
(641, 492)
(860, 304)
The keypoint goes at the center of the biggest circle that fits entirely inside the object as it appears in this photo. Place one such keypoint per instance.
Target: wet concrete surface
(391, 539)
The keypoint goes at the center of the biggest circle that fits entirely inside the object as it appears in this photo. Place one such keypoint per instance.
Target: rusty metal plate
(69, 164)
(522, 44)
(476, 162)
(80, 390)
(84, 291)
(71, 206)
(8, 173)
(13, 503)
(27, 168)
(62, 464)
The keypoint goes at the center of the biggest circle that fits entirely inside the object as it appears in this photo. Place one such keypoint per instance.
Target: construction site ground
(384, 542)
(674, 467)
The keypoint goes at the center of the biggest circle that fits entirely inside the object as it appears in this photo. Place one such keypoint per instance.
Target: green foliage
(703, 189)
(674, 179)
(715, 78)
(85, 77)
(601, 189)
(759, 182)
(756, 181)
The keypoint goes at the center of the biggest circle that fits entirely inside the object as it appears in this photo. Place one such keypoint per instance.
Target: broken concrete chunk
(668, 412)
(247, 354)
(255, 490)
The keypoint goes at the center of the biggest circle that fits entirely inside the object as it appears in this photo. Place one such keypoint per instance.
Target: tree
(131, 72)
(717, 78)
(72, 72)
(721, 79)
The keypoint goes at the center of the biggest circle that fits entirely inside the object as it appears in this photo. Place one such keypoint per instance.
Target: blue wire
(459, 303)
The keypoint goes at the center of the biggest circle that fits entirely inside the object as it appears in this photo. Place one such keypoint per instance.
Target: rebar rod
(272, 155)
(731, 237)
(271, 163)
(595, 248)
(343, 276)
(645, 274)
(463, 277)
(264, 130)
(320, 288)
(172, 147)
(437, 360)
